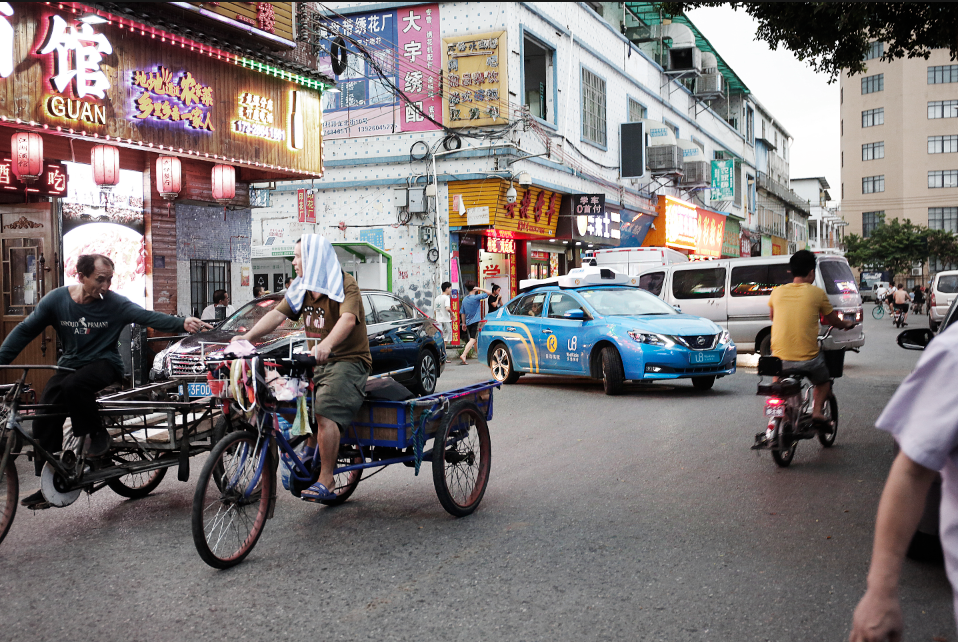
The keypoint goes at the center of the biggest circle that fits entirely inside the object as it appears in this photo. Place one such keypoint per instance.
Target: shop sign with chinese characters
(711, 232)
(500, 245)
(256, 117)
(404, 45)
(140, 88)
(723, 180)
(476, 86)
(589, 204)
(53, 182)
(681, 222)
(306, 205)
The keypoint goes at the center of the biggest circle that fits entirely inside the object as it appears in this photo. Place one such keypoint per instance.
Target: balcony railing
(772, 186)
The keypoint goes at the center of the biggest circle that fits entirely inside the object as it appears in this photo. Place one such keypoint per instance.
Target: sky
(800, 99)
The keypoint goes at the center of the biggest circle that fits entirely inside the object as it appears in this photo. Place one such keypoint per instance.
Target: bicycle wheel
(831, 412)
(461, 457)
(786, 447)
(878, 312)
(227, 523)
(136, 485)
(9, 491)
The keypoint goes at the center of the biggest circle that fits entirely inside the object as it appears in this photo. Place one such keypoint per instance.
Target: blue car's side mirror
(677, 308)
(574, 315)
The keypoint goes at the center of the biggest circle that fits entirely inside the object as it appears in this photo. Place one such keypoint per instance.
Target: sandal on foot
(36, 501)
(317, 493)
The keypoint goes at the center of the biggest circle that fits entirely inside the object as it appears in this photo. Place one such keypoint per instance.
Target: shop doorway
(28, 270)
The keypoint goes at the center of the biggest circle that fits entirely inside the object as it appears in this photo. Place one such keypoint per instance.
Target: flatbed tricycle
(237, 489)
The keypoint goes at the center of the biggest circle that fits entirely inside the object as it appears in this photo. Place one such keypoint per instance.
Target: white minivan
(940, 296)
(634, 260)
(734, 293)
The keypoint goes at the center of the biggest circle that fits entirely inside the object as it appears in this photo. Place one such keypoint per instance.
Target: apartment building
(900, 146)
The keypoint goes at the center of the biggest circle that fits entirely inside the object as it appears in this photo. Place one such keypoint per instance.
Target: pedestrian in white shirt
(221, 299)
(442, 310)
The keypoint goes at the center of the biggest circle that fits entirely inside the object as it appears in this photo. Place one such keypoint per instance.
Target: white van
(634, 260)
(734, 293)
(941, 294)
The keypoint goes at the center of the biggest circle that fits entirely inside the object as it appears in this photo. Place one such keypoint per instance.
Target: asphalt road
(641, 517)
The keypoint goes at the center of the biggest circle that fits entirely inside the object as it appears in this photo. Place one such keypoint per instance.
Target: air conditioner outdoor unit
(665, 158)
(697, 173)
(710, 85)
(916, 271)
(685, 59)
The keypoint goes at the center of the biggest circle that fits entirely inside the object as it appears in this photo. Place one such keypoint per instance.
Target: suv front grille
(185, 365)
(699, 341)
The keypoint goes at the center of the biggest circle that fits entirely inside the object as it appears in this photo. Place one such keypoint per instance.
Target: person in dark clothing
(88, 319)
(918, 298)
(495, 299)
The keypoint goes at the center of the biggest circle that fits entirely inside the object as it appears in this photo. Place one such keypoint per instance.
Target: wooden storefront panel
(535, 212)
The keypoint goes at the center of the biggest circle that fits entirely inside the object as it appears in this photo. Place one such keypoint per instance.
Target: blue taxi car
(598, 323)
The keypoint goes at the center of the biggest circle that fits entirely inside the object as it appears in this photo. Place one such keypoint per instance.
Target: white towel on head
(322, 273)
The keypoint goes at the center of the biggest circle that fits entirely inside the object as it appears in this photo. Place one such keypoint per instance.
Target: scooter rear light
(774, 401)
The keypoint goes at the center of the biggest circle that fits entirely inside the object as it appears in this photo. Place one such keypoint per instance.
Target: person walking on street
(442, 309)
(471, 315)
(919, 297)
(922, 416)
(902, 301)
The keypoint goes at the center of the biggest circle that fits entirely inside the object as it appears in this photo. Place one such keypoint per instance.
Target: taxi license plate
(705, 357)
(774, 411)
(198, 389)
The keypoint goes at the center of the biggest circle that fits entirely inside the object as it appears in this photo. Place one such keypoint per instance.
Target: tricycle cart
(237, 489)
(148, 437)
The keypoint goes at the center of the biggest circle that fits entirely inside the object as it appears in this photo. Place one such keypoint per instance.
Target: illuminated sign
(500, 245)
(76, 110)
(53, 182)
(681, 224)
(710, 234)
(6, 37)
(256, 118)
(82, 66)
(186, 90)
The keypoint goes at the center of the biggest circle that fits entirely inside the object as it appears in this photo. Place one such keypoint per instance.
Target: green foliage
(833, 37)
(896, 246)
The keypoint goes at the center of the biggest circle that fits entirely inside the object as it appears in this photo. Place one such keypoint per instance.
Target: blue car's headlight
(725, 338)
(652, 339)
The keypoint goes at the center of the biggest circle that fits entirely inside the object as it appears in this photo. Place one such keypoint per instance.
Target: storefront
(493, 236)
(586, 224)
(142, 142)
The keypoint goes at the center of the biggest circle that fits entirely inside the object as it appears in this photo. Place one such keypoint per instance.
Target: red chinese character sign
(710, 234)
(310, 206)
(51, 182)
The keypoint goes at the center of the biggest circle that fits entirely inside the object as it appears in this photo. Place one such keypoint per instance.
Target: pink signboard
(420, 59)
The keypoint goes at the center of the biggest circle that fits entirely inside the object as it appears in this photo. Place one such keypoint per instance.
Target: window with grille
(942, 74)
(870, 221)
(937, 265)
(872, 184)
(205, 278)
(593, 108)
(943, 178)
(875, 51)
(943, 144)
(873, 151)
(871, 84)
(637, 111)
(943, 109)
(943, 218)
(872, 117)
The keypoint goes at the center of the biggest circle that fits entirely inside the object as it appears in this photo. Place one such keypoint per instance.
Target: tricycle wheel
(461, 457)
(346, 482)
(136, 485)
(9, 492)
(232, 499)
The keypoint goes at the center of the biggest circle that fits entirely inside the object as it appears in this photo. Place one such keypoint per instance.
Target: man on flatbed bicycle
(796, 308)
(88, 319)
(332, 307)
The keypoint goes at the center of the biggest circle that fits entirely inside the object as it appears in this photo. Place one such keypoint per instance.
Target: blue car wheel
(500, 363)
(613, 374)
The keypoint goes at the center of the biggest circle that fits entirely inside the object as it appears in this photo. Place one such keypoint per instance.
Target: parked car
(734, 293)
(597, 323)
(400, 336)
(925, 545)
(940, 297)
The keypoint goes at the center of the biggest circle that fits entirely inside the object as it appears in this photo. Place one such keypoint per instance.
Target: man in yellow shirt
(796, 308)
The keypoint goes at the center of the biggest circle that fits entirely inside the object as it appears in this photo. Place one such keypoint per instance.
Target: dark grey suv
(400, 336)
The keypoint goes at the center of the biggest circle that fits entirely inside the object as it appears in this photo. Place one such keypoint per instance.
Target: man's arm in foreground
(878, 615)
(267, 323)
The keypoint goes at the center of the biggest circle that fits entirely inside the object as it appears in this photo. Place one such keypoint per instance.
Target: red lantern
(27, 149)
(106, 165)
(168, 179)
(224, 183)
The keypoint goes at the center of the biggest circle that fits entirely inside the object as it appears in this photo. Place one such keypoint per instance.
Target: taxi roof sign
(581, 277)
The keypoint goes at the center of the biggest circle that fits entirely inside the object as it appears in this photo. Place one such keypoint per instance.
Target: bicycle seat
(784, 388)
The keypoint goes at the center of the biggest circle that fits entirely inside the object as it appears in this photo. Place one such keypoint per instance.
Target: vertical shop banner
(476, 89)
(404, 45)
(419, 67)
(301, 205)
(723, 180)
(310, 206)
(711, 230)
(731, 239)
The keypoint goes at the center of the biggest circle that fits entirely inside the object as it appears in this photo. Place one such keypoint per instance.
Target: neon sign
(53, 181)
(500, 246)
(681, 224)
(77, 110)
(186, 90)
(6, 37)
(256, 114)
(82, 68)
